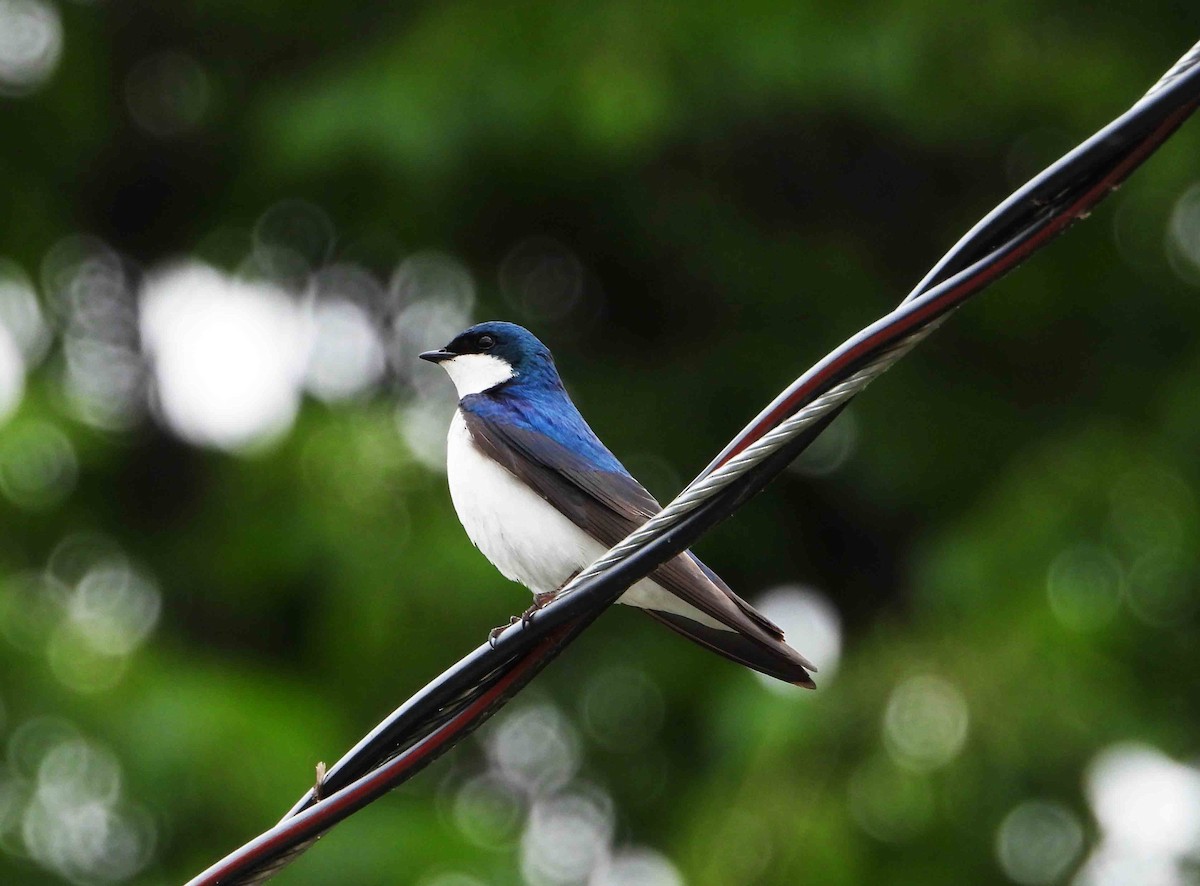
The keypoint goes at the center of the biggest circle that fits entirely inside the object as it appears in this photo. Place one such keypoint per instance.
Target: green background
(690, 203)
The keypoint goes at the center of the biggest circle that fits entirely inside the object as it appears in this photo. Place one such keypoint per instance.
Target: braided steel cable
(465, 695)
(1189, 61)
(707, 486)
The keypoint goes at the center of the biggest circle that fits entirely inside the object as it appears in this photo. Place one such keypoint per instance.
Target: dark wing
(608, 505)
(566, 480)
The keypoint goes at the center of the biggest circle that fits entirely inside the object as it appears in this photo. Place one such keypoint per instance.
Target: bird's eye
(486, 342)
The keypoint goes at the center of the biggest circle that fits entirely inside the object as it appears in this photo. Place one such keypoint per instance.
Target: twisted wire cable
(466, 694)
(1187, 62)
(708, 485)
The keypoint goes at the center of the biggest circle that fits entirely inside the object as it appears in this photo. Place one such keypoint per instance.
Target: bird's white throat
(476, 373)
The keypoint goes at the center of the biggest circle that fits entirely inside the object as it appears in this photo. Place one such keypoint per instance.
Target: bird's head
(489, 354)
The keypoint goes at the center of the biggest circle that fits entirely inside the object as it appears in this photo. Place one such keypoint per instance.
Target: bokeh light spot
(637, 866)
(433, 277)
(488, 810)
(74, 772)
(567, 837)
(347, 355)
(114, 607)
(1183, 236)
(12, 375)
(832, 449)
(1084, 587)
(38, 466)
(88, 291)
(33, 739)
(296, 226)
(810, 624)
(1150, 509)
(31, 42)
(167, 93)
(84, 281)
(1145, 800)
(541, 279)
(622, 709)
(925, 724)
(535, 748)
(423, 425)
(78, 553)
(1038, 841)
(21, 313)
(30, 608)
(420, 327)
(76, 824)
(1112, 865)
(105, 381)
(451, 878)
(228, 356)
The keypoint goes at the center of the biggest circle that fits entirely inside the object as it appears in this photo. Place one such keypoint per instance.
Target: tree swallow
(541, 497)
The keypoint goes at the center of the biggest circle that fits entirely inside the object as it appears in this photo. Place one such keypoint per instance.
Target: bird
(541, 497)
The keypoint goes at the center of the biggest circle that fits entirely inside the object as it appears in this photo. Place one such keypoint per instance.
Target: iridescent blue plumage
(535, 399)
(542, 497)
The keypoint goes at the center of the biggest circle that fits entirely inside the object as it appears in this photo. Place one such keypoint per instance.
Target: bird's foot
(494, 633)
(539, 600)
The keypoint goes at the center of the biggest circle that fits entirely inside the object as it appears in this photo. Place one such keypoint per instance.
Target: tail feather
(753, 614)
(775, 659)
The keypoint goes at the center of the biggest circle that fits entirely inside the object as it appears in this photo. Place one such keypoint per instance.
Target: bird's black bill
(437, 356)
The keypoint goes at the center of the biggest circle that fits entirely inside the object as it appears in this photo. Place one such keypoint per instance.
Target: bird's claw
(539, 600)
(494, 633)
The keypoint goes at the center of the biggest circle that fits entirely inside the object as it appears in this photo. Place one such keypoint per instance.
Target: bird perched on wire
(541, 497)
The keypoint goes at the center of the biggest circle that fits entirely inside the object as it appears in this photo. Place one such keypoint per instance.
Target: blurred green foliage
(1006, 525)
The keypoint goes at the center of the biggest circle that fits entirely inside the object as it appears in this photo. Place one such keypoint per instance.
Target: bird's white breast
(523, 535)
(526, 537)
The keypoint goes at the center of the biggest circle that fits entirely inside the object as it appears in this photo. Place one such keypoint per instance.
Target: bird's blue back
(535, 400)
